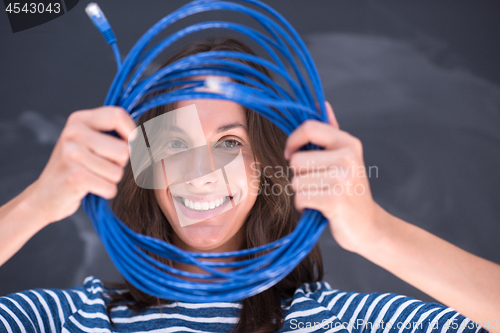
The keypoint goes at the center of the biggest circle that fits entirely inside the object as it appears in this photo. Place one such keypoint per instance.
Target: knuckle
(116, 113)
(350, 156)
(73, 117)
(117, 175)
(293, 160)
(75, 176)
(111, 191)
(358, 145)
(70, 132)
(123, 155)
(71, 152)
(346, 157)
(297, 160)
(308, 125)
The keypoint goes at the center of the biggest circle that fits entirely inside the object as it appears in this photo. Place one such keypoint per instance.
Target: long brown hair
(272, 216)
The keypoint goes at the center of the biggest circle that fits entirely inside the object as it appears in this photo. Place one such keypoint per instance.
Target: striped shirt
(315, 307)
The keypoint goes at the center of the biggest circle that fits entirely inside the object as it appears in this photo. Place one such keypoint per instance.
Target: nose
(193, 166)
(198, 170)
(209, 180)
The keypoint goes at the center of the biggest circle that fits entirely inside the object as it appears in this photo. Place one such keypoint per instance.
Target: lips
(202, 205)
(188, 215)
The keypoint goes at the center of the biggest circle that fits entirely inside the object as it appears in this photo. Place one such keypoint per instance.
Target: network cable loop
(287, 108)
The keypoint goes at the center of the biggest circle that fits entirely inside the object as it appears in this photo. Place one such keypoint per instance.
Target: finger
(99, 166)
(318, 200)
(101, 187)
(332, 120)
(313, 161)
(311, 184)
(106, 118)
(318, 133)
(104, 145)
(82, 181)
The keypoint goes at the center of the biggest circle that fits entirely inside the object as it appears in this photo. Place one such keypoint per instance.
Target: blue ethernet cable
(286, 105)
(97, 16)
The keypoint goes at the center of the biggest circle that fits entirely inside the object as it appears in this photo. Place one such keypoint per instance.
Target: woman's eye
(176, 144)
(229, 144)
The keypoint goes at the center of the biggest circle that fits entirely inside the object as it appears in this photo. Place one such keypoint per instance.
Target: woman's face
(216, 218)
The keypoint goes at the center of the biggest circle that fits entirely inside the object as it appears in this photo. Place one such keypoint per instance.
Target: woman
(85, 160)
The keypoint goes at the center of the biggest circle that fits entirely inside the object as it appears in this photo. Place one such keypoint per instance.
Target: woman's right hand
(84, 160)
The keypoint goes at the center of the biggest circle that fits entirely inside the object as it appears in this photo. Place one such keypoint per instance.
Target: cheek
(253, 173)
(242, 177)
(252, 179)
(165, 203)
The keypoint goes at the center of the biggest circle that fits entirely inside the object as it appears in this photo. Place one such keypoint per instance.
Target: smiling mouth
(202, 205)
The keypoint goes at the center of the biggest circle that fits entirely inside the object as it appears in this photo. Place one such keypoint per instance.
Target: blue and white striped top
(315, 307)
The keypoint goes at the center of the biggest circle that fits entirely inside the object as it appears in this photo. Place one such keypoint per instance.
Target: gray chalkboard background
(417, 82)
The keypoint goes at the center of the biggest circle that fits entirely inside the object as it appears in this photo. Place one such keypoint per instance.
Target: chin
(221, 233)
(209, 235)
(204, 236)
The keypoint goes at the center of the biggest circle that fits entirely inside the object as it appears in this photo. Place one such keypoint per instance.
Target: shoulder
(49, 309)
(318, 303)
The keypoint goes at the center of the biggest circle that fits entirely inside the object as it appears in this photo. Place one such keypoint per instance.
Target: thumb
(332, 120)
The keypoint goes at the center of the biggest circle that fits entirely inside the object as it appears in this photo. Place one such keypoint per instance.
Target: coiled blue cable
(287, 108)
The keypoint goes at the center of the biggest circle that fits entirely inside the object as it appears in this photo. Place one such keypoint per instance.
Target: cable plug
(97, 16)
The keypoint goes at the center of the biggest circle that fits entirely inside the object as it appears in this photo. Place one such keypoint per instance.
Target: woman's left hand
(457, 278)
(333, 181)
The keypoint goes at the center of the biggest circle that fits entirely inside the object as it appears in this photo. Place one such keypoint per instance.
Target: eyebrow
(174, 128)
(223, 128)
(230, 126)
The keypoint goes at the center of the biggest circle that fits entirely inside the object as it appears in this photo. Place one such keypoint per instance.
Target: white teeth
(205, 205)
